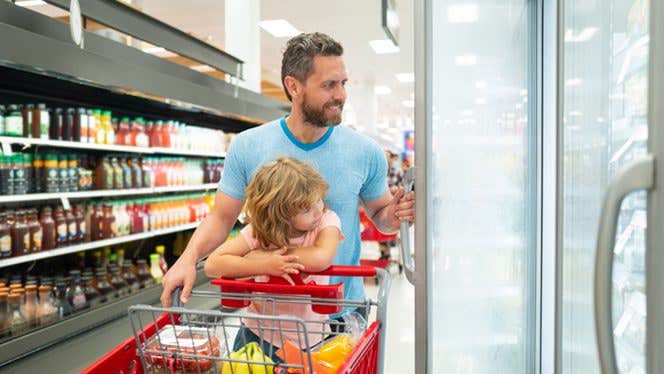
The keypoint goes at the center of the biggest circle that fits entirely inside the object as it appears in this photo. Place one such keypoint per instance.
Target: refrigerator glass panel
(605, 127)
(484, 279)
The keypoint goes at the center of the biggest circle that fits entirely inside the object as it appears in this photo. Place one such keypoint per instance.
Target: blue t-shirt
(354, 166)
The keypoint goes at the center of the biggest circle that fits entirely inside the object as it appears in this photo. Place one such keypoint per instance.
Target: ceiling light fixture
(279, 28)
(405, 77)
(383, 46)
(29, 3)
(382, 90)
(465, 60)
(462, 13)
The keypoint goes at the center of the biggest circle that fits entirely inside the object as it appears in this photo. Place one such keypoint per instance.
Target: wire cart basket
(181, 340)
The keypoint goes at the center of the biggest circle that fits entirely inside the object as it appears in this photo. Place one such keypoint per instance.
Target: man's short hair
(298, 58)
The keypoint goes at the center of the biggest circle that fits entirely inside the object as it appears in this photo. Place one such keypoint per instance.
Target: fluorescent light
(408, 103)
(575, 113)
(382, 90)
(153, 50)
(583, 36)
(28, 3)
(480, 84)
(465, 60)
(202, 68)
(480, 101)
(573, 82)
(279, 28)
(462, 13)
(383, 46)
(405, 77)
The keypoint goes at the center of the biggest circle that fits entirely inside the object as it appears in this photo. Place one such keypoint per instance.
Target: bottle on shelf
(29, 173)
(123, 136)
(155, 271)
(62, 306)
(129, 276)
(107, 125)
(6, 176)
(92, 296)
(61, 227)
(51, 174)
(163, 265)
(20, 235)
(5, 237)
(38, 173)
(83, 125)
(5, 321)
(63, 173)
(72, 230)
(72, 164)
(81, 228)
(46, 312)
(35, 230)
(29, 307)
(17, 322)
(75, 293)
(20, 171)
(92, 127)
(55, 124)
(27, 112)
(143, 273)
(49, 233)
(13, 121)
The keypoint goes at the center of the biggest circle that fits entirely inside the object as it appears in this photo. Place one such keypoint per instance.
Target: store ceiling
(353, 23)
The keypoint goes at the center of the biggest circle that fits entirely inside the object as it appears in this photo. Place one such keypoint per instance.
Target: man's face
(324, 92)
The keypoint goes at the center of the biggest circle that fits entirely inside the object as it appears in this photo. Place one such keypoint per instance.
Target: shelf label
(65, 203)
(7, 149)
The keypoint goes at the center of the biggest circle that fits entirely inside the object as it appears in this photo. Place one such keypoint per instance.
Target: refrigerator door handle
(404, 242)
(639, 175)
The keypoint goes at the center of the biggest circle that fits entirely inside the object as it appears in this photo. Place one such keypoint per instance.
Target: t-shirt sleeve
(248, 234)
(331, 219)
(234, 178)
(375, 184)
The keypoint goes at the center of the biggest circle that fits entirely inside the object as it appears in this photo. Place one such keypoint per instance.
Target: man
(314, 77)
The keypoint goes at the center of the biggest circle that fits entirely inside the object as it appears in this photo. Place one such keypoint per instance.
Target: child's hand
(279, 264)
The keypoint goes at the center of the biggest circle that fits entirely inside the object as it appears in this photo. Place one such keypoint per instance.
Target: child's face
(309, 219)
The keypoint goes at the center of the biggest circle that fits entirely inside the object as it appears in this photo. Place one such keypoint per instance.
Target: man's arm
(212, 231)
(389, 210)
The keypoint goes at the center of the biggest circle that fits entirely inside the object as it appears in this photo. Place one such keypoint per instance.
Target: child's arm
(314, 258)
(229, 261)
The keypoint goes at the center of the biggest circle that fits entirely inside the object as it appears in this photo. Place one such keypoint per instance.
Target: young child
(290, 230)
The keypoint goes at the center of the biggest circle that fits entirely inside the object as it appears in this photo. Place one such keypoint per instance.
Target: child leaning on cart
(290, 230)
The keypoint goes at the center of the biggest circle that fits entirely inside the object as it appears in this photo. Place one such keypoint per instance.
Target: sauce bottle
(20, 235)
(27, 112)
(51, 174)
(62, 306)
(109, 226)
(29, 307)
(92, 296)
(36, 232)
(38, 174)
(29, 172)
(6, 176)
(60, 227)
(118, 173)
(67, 124)
(155, 271)
(104, 287)
(118, 282)
(75, 293)
(63, 174)
(72, 231)
(163, 265)
(55, 124)
(80, 222)
(96, 223)
(17, 322)
(20, 181)
(46, 311)
(143, 273)
(129, 276)
(72, 166)
(49, 235)
(13, 121)
(5, 237)
(104, 175)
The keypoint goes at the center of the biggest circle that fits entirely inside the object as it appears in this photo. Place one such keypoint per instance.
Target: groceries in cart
(187, 340)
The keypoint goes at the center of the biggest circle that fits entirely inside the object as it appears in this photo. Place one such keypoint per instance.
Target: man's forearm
(209, 235)
(382, 221)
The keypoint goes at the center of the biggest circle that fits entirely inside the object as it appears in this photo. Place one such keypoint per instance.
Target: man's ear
(293, 86)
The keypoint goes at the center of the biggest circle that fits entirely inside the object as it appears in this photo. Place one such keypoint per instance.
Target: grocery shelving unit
(109, 75)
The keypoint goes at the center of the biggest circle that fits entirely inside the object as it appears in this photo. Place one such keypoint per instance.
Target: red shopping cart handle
(277, 285)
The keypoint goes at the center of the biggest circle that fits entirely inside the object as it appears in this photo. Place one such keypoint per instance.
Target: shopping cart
(204, 339)
(386, 242)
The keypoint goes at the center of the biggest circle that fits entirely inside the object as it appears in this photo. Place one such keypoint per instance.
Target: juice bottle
(140, 135)
(104, 175)
(107, 125)
(163, 265)
(109, 226)
(123, 136)
(93, 125)
(155, 134)
(155, 271)
(166, 130)
(118, 173)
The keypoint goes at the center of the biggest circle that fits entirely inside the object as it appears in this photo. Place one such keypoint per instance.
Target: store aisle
(400, 344)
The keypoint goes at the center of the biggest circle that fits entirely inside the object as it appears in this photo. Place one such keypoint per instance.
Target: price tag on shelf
(7, 149)
(65, 203)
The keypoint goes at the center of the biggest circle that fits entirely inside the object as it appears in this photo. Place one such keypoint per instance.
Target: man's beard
(317, 116)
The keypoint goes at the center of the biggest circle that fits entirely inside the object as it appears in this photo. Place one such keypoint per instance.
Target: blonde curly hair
(280, 190)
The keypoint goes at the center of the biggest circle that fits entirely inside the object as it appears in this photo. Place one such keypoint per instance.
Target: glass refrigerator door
(605, 126)
(481, 204)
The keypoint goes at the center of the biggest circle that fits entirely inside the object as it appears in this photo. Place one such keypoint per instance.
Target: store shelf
(27, 142)
(104, 193)
(24, 345)
(182, 152)
(198, 187)
(94, 245)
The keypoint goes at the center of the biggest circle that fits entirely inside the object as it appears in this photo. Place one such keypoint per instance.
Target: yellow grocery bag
(250, 352)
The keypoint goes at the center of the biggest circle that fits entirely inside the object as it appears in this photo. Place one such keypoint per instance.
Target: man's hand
(278, 264)
(402, 207)
(182, 274)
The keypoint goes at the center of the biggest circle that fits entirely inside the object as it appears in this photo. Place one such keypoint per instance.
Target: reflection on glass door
(605, 126)
(483, 286)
